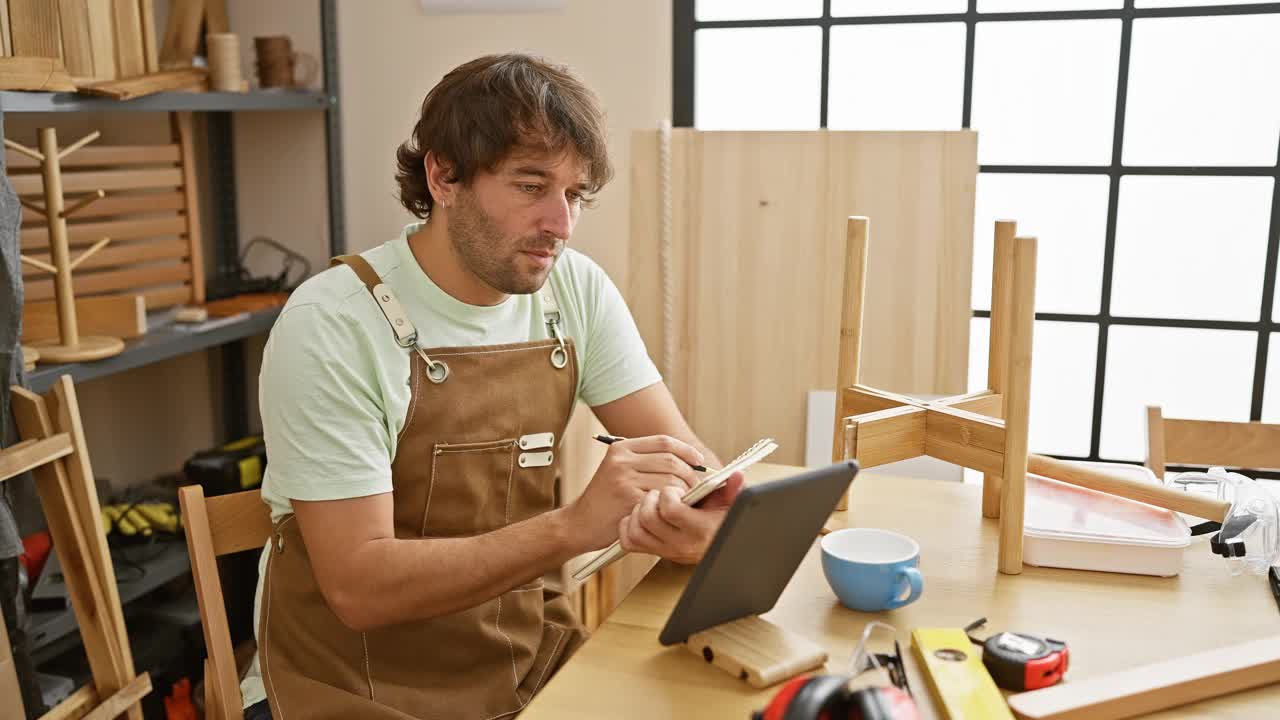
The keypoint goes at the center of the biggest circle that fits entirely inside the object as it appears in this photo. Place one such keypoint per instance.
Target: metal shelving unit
(52, 630)
(219, 108)
(18, 101)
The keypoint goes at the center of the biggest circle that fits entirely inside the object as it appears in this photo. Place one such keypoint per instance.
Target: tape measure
(960, 683)
(1021, 661)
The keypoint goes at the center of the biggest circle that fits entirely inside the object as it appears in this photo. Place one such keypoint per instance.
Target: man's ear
(440, 179)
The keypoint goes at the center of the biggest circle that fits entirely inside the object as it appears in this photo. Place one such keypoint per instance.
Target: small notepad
(692, 496)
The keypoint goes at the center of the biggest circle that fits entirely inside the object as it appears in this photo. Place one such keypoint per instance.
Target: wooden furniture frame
(1251, 445)
(143, 197)
(985, 430)
(217, 526)
(53, 448)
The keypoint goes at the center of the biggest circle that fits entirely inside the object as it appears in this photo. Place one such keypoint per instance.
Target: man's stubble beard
(479, 243)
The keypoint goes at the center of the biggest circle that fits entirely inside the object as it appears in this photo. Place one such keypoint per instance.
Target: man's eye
(528, 188)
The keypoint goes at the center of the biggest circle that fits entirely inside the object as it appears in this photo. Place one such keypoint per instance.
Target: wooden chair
(217, 526)
(53, 449)
(1249, 445)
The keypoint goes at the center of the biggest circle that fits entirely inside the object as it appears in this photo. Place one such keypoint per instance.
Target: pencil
(610, 439)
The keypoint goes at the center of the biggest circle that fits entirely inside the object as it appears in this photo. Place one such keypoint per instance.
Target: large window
(1138, 139)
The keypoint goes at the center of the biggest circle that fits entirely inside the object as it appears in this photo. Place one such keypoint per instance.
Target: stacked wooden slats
(147, 212)
(95, 40)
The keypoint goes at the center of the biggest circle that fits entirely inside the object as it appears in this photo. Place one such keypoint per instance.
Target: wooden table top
(1110, 621)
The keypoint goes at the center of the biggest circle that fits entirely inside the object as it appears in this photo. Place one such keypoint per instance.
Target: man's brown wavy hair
(485, 110)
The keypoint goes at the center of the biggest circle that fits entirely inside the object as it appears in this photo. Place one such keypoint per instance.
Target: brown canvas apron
(477, 452)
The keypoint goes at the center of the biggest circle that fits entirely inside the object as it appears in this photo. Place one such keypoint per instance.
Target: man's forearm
(414, 579)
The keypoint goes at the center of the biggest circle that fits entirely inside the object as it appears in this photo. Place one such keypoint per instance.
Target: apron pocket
(469, 491)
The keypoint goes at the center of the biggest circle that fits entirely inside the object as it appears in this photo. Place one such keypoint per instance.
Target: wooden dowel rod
(19, 147)
(89, 253)
(79, 144)
(1159, 495)
(38, 264)
(84, 202)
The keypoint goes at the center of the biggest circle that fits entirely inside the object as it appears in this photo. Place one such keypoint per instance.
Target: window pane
(1271, 392)
(1039, 5)
(1064, 356)
(851, 8)
(1214, 105)
(1191, 373)
(896, 77)
(757, 9)
(1038, 98)
(1191, 247)
(1068, 216)
(757, 78)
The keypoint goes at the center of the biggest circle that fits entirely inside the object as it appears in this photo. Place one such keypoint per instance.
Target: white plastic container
(1067, 526)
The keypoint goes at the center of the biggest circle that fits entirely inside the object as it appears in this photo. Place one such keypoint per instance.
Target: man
(413, 402)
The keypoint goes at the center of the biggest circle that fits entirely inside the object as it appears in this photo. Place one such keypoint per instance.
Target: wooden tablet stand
(757, 651)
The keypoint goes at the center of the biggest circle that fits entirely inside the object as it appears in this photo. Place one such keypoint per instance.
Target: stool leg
(1017, 405)
(998, 347)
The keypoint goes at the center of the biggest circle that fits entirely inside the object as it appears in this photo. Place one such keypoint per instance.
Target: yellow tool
(962, 687)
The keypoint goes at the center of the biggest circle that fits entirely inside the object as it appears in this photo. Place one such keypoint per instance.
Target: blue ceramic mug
(872, 570)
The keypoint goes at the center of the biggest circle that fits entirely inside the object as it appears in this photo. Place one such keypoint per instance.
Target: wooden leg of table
(1017, 394)
(855, 283)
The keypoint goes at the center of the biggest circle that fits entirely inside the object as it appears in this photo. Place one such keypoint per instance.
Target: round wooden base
(90, 347)
(29, 357)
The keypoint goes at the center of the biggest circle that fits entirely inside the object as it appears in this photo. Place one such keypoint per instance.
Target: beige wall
(392, 54)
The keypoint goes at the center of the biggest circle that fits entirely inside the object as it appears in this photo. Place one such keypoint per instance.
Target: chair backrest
(217, 526)
(1172, 441)
(150, 212)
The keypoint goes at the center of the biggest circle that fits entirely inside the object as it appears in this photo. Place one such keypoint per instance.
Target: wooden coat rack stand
(53, 448)
(71, 347)
(985, 430)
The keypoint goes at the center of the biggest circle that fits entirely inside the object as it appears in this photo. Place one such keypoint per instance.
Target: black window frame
(685, 25)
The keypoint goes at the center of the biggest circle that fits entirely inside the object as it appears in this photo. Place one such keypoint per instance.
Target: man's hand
(630, 469)
(662, 525)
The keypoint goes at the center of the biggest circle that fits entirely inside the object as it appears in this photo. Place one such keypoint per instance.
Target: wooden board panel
(184, 133)
(181, 33)
(34, 28)
(141, 85)
(134, 205)
(1254, 445)
(84, 182)
(100, 282)
(130, 54)
(751, 339)
(77, 48)
(36, 238)
(98, 155)
(167, 297)
(918, 191)
(102, 41)
(238, 521)
(122, 316)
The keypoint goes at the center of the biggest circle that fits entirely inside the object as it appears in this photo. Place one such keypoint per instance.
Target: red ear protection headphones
(828, 697)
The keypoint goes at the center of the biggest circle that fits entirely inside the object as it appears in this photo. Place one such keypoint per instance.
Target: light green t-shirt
(334, 387)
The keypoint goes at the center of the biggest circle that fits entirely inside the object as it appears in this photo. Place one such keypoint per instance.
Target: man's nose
(557, 217)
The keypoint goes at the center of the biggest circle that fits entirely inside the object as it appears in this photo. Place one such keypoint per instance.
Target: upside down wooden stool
(985, 430)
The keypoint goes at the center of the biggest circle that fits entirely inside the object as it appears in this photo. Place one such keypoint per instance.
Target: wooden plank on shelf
(150, 52)
(215, 16)
(134, 87)
(102, 41)
(77, 47)
(94, 155)
(113, 280)
(34, 73)
(130, 53)
(6, 40)
(33, 25)
(37, 238)
(168, 297)
(182, 33)
(84, 182)
(137, 204)
(122, 316)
